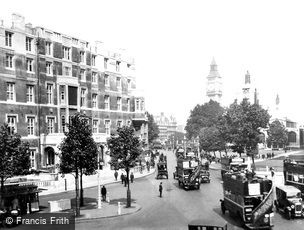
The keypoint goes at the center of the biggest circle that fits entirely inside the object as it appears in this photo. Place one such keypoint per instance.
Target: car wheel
(288, 215)
(223, 208)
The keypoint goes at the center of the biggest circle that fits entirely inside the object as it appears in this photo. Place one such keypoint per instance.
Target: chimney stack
(18, 21)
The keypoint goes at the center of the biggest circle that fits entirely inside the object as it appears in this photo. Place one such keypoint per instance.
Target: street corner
(108, 210)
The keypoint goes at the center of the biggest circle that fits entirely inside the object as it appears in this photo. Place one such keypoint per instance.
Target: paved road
(175, 210)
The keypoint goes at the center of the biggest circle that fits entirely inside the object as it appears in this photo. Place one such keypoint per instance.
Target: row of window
(12, 121)
(9, 62)
(67, 71)
(30, 98)
(49, 51)
(295, 177)
(9, 43)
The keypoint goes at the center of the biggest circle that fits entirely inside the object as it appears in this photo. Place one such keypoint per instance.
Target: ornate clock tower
(214, 83)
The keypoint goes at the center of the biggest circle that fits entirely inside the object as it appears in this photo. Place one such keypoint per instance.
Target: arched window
(292, 137)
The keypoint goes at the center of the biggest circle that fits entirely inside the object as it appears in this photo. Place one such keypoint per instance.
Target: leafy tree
(124, 150)
(277, 133)
(78, 152)
(153, 130)
(14, 155)
(244, 122)
(210, 140)
(223, 135)
(201, 116)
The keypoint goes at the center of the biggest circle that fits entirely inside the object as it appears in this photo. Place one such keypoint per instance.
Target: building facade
(293, 128)
(166, 125)
(214, 84)
(46, 76)
(249, 92)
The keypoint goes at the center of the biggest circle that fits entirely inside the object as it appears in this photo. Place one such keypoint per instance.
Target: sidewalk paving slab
(107, 210)
(90, 210)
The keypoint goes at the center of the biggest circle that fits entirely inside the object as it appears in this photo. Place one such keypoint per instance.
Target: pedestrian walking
(272, 171)
(104, 193)
(160, 189)
(122, 177)
(116, 175)
(132, 177)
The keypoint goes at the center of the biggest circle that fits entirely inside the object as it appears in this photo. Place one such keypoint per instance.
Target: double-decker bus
(249, 198)
(294, 173)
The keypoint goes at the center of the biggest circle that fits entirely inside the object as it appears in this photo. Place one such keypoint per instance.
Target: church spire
(213, 66)
(214, 83)
(277, 100)
(247, 78)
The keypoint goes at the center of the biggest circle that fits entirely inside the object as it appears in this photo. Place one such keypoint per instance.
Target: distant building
(249, 92)
(214, 83)
(167, 126)
(46, 76)
(293, 128)
(181, 129)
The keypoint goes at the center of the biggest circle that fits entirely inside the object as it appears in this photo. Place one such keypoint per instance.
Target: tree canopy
(78, 148)
(78, 151)
(201, 116)
(124, 148)
(153, 130)
(210, 139)
(245, 122)
(14, 155)
(277, 133)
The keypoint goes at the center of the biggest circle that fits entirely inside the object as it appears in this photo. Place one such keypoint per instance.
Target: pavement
(117, 208)
(90, 211)
(107, 210)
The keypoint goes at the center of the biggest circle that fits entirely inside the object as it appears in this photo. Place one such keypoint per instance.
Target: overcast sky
(173, 43)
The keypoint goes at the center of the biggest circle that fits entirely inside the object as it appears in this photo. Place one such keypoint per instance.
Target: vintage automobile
(289, 201)
(204, 172)
(162, 170)
(211, 224)
(175, 174)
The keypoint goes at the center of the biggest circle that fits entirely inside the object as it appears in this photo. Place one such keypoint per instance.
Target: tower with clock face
(214, 83)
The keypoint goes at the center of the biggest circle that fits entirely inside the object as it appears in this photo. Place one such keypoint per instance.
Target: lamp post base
(128, 198)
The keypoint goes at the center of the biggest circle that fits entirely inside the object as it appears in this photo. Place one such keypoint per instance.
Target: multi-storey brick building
(46, 76)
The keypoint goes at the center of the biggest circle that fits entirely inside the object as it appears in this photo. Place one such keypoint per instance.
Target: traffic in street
(177, 207)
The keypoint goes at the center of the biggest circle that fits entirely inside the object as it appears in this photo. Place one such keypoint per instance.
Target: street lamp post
(98, 184)
(185, 144)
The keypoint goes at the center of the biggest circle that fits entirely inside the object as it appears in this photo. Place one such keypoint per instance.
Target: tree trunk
(81, 190)
(2, 184)
(77, 194)
(128, 190)
(253, 164)
(2, 188)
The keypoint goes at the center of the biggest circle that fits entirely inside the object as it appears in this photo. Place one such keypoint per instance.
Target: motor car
(289, 201)
(162, 170)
